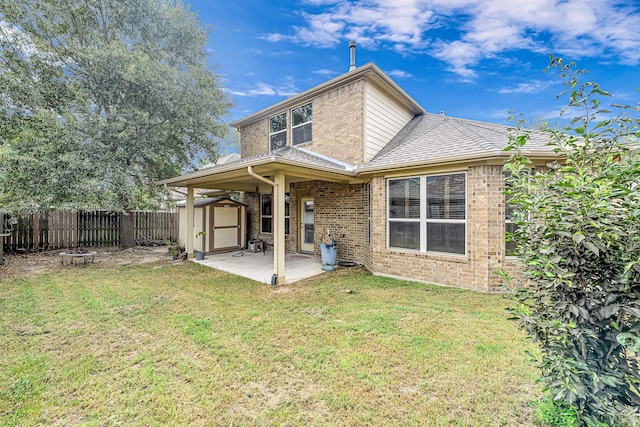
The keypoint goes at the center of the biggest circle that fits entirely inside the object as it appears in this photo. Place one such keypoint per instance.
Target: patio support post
(278, 224)
(190, 212)
(278, 229)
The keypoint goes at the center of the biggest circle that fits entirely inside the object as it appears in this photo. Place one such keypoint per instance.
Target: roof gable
(369, 71)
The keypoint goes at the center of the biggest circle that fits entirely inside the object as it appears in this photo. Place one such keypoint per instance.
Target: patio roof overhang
(236, 176)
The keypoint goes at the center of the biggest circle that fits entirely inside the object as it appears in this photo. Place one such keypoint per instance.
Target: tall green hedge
(578, 240)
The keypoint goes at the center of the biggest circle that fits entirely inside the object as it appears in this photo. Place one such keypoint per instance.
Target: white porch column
(278, 229)
(190, 212)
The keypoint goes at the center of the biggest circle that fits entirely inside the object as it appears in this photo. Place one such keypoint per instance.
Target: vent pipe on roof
(352, 55)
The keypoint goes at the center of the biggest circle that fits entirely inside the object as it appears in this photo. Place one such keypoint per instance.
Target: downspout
(278, 223)
(190, 217)
(260, 177)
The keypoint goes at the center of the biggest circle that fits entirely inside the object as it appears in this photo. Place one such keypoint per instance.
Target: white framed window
(404, 213)
(266, 213)
(446, 213)
(278, 131)
(301, 124)
(428, 213)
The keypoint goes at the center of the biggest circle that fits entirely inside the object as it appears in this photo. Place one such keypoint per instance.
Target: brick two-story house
(404, 192)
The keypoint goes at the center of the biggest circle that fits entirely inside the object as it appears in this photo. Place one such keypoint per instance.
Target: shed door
(226, 227)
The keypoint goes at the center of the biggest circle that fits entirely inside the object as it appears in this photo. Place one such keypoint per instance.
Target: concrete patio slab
(259, 266)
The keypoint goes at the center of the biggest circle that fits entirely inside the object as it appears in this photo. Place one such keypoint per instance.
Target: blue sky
(470, 59)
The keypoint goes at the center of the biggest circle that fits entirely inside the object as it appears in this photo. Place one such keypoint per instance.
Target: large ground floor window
(266, 213)
(428, 213)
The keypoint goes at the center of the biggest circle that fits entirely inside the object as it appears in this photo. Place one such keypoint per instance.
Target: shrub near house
(578, 236)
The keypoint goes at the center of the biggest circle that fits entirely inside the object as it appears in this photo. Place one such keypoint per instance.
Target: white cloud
(274, 37)
(320, 2)
(474, 30)
(324, 72)
(529, 87)
(400, 74)
(288, 88)
(459, 55)
(260, 89)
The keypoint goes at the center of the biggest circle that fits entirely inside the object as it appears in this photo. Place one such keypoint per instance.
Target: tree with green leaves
(578, 240)
(100, 100)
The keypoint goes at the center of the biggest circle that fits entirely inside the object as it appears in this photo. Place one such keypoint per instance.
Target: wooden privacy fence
(57, 229)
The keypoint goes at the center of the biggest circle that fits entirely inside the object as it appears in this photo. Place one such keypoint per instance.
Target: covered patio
(259, 266)
(273, 173)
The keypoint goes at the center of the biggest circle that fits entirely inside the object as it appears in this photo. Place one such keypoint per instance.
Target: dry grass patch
(187, 345)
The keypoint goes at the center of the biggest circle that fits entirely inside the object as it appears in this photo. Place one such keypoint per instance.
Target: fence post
(127, 239)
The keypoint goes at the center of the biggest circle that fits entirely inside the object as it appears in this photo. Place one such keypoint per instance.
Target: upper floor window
(278, 131)
(301, 124)
(300, 127)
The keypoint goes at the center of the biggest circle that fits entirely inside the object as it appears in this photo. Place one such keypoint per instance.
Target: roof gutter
(463, 158)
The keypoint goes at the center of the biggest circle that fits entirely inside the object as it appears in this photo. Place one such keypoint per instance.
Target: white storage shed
(224, 220)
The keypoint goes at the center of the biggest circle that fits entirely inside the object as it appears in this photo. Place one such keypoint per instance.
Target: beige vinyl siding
(384, 118)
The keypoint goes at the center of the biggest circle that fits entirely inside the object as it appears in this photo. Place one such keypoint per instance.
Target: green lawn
(181, 344)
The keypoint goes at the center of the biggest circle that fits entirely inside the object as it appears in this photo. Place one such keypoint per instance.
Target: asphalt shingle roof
(287, 153)
(432, 137)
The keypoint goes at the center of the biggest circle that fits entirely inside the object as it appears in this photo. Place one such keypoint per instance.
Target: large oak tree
(100, 100)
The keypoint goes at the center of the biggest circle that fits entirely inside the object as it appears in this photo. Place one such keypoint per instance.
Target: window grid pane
(510, 245)
(266, 224)
(265, 202)
(445, 237)
(404, 234)
(404, 198)
(446, 197)
(301, 115)
(278, 123)
(301, 134)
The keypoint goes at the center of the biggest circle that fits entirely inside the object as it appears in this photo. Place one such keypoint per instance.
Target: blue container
(329, 253)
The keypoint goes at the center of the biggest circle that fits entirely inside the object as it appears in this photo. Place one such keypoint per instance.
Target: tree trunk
(127, 238)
